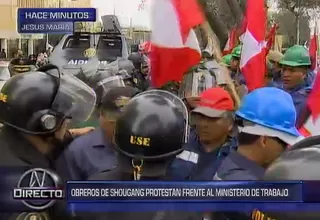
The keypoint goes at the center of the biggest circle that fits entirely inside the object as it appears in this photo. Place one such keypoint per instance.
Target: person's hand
(76, 132)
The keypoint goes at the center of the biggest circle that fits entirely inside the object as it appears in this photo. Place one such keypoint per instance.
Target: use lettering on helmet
(3, 97)
(257, 215)
(140, 141)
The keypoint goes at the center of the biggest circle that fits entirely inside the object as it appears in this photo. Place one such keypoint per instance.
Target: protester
(264, 133)
(212, 139)
(275, 58)
(236, 75)
(295, 64)
(95, 152)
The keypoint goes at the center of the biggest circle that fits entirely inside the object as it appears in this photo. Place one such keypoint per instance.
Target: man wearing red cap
(211, 139)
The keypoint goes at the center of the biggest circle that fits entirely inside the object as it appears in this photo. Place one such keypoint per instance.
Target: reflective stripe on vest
(189, 156)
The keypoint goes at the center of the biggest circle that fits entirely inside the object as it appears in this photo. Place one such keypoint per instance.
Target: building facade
(11, 40)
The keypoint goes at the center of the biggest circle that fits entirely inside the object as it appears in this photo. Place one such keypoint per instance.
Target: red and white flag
(313, 49)
(270, 39)
(253, 55)
(231, 43)
(312, 125)
(242, 29)
(175, 48)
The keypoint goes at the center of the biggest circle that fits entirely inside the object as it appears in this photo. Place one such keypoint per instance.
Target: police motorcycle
(77, 49)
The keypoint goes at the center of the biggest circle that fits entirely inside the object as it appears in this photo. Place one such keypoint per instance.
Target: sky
(124, 9)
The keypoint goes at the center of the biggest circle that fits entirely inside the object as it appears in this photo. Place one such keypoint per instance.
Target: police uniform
(139, 62)
(93, 152)
(146, 150)
(37, 104)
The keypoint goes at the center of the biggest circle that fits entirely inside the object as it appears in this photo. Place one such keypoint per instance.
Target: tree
(298, 8)
(222, 15)
(288, 29)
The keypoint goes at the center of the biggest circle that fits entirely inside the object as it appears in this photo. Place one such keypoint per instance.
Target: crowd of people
(115, 126)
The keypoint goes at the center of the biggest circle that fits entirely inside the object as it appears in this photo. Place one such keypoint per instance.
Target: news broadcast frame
(37, 189)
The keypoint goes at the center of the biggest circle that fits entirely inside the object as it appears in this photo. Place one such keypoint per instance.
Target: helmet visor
(74, 99)
(104, 85)
(176, 101)
(195, 83)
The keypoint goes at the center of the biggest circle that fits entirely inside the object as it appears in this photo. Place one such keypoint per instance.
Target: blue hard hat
(270, 107)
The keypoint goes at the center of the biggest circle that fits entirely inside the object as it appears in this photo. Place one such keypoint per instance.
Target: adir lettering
(141, 141)
(3, 97)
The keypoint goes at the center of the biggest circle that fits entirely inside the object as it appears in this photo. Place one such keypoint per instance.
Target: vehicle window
(77, 42)
(111, 45)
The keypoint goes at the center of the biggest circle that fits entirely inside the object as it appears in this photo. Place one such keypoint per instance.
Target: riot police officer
(140, 75)
(162, 121)
(126, 71)
(100, 80)
(21, 65)
(36, 108)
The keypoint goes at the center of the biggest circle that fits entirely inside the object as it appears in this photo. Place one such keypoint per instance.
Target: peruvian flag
(175, 48)
(271, 37)
(242, 29)
(312, 125)
(313, 50)
(253, 55)
(231, 43)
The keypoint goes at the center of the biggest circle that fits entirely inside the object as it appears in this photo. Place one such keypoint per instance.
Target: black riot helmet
(21, 65)
(299, 163)
(126, 70)
(126, 65)
(102, 81)
(38, 102)
(152, 127)
(136, 59)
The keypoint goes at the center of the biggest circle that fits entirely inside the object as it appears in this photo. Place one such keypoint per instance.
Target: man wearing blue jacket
(266, 128)
(211, 139)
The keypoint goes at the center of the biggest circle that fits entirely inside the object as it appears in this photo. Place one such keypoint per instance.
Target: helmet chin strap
(137, 169)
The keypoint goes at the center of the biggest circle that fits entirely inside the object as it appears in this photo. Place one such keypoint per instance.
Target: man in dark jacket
(94, 152)
(162, 121)
(36, 108)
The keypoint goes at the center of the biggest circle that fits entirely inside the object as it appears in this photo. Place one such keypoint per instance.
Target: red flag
(242, 28)
(253, 55)
(313, 49)
(271, 37)
(312, 125)
(231, 43)
(175, 48)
